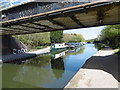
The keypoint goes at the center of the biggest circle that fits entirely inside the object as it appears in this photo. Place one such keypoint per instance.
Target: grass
(37, 48)
(40, 47)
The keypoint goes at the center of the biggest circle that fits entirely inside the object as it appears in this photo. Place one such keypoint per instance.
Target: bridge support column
(10, 45)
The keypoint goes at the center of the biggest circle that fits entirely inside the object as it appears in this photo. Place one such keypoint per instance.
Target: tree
(111, 36)
(56, 36)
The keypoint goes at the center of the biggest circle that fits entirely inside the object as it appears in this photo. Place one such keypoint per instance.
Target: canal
(54, 70)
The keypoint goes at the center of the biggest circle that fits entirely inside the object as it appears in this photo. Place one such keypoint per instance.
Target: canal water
(50, 71)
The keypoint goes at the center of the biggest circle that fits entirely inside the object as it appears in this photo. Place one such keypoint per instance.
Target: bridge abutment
(10, 45)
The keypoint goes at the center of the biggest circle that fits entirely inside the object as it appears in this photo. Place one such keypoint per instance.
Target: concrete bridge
(36, 17)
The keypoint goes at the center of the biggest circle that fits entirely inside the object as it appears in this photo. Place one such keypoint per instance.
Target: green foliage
(99, 46)
(39, 47)
(34, 40)
(73, 38)
(91, 40)
(56, 36)
(111, 36)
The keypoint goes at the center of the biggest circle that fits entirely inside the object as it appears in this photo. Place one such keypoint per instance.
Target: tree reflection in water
(57, 64)
(76, 51)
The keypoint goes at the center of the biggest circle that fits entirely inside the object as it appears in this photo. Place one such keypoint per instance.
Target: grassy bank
(38, 47)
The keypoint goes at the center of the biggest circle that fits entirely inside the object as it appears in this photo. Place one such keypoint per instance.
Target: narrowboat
(58, 46)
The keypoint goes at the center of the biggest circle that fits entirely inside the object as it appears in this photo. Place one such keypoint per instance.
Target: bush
(111, 36)
(99, 46)
(34, 40)
(56, 36)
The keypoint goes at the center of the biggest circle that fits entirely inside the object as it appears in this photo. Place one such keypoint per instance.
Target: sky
(88, 33)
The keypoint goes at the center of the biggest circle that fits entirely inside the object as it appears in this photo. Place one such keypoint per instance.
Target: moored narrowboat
(58, 46)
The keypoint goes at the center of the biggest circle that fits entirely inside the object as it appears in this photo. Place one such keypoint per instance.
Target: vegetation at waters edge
(99, 45)
(42, 40)
(73, 38)
(110, 36)
(35, 41)
(90, 40)
(56, 36)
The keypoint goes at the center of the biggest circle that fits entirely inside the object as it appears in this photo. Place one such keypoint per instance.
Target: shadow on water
(16, 57)
(108, 64)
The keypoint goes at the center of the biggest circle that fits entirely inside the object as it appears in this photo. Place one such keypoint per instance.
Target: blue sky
(88, 33)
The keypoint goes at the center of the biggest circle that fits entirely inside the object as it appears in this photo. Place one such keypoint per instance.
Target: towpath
(100, 71)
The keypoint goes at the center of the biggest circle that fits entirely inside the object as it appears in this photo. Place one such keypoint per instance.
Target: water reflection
(50, 71)
(76, 51)
(58, 54)
(57, 64)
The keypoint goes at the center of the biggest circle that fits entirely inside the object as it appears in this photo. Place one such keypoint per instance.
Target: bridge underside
(80, 16)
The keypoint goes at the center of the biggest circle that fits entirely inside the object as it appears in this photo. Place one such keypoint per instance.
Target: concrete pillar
(11, 45)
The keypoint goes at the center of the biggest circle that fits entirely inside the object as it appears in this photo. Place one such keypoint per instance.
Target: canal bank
(22, 56)
(41, 51)
(100, 71)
